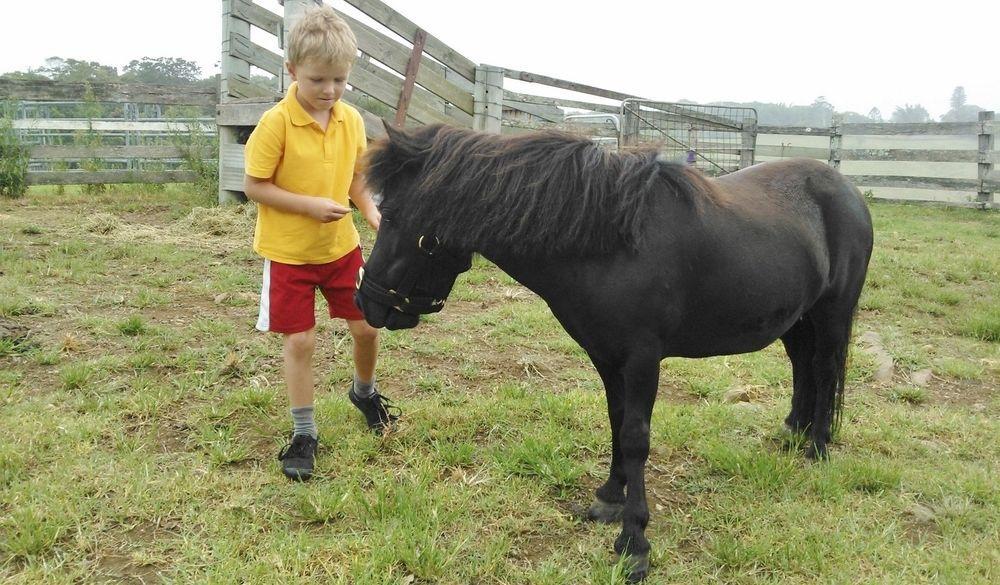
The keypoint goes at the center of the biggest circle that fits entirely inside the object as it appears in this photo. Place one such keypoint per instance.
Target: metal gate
(715, 139)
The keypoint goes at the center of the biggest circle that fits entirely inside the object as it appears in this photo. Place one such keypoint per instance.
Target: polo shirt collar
(299, 116)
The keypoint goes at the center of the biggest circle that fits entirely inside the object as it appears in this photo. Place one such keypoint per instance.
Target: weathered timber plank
(258, 16)
(241, 114)
(915, 182)
(938, 128)
(424, 107)
(903, 154)
(792, 151)
(204, 125)
(405, 28)
(243, 89)
(144, 93)
(431, 74)
(794, 130)
(535, 110)
(510, 96)
(256, 55)
(563, 84)
(583, 129)
(78, 152)
(90, 178)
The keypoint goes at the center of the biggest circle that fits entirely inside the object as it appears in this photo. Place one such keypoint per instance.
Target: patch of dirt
(979, 396)
(117, 565)
(121, 568)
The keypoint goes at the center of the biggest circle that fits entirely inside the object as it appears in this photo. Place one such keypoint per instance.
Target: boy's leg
(380, 414)
(365, 356)
(298, 352)
(287, 305)
(338, 288)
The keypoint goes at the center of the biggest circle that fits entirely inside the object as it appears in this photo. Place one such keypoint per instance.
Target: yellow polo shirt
(289, 148)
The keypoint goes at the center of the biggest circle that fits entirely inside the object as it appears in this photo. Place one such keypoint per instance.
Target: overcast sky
(858, 54)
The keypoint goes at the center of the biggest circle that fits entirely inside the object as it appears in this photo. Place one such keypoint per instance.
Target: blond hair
(322, 36)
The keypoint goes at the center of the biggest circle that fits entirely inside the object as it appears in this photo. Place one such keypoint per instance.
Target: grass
(141, 417)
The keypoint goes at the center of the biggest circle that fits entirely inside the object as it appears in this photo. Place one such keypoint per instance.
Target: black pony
(638, 258)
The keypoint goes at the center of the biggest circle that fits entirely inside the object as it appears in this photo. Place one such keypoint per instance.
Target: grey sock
(363, 389)
(304, 421)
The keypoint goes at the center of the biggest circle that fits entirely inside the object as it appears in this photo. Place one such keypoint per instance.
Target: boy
(302, 165)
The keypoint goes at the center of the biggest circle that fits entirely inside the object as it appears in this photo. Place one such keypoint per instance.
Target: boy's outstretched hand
(373, 216)
(325, 210)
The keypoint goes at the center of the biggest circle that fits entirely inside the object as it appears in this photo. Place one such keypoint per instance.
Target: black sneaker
(380, 413)
(298, 456)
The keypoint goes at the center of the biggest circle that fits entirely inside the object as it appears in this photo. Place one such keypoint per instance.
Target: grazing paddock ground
(140, 415)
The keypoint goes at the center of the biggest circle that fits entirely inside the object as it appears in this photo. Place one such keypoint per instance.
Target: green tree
(958, 98)
(908, 113)
(162, 70)
(74, 70)
(28, 75)
(960, 110)
(875, 115)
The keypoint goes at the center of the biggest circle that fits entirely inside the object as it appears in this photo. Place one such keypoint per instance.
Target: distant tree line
(153, 70)
(820, 112)
(181, 72)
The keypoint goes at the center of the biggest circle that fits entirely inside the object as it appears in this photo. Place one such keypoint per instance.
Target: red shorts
(288, 295)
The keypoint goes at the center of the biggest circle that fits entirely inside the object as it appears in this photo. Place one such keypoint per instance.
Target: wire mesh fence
(715, 139)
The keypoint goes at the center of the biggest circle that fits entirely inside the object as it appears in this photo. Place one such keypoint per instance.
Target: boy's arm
(362, 198)
(319, 208)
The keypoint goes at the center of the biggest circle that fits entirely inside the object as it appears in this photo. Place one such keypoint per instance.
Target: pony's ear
(388, 127)
(404, 144)
(399, 151)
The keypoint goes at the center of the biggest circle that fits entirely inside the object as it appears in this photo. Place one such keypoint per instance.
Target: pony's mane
(543, 191)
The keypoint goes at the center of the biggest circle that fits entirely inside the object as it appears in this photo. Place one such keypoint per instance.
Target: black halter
(401, 298)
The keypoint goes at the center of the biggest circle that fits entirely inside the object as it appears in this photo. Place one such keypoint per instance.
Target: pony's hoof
(818, 452)
(604, 512)
(639, 565)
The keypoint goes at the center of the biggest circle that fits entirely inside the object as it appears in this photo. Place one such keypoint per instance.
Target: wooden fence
(65, 151)
(952, 163)
(410, 77)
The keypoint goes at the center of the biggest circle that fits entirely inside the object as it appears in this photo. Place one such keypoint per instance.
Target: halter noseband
(401, 298)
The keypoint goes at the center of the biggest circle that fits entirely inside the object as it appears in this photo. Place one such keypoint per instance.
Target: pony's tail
(842, 358)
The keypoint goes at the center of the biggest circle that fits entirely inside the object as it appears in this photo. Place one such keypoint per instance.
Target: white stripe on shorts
(264, 318)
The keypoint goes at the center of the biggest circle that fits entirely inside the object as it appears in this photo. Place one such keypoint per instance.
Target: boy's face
(320, 84)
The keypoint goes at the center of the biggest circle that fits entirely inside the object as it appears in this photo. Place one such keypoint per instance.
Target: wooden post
(748, 139)
(232, 68)
(488, 105)
(835, 140)
(987, 144)
(412, 66)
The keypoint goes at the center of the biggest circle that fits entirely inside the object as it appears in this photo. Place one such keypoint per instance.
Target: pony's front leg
(641, 376)
(609, 500)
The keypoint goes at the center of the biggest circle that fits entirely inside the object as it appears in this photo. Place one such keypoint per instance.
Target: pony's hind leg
(832, 321)
(800, 345)
(609, 500)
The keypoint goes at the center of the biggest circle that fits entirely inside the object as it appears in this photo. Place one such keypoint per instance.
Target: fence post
(232, 68)
(835, 140)
(987, 143)
(488, 104)
(748, 139)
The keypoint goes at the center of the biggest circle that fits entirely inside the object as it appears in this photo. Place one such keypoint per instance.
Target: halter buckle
(429, 251)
